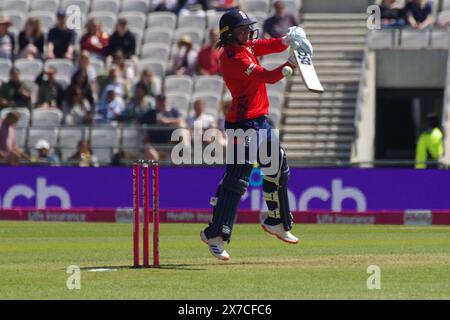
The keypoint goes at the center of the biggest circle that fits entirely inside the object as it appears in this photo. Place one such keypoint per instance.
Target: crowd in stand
(416, 14)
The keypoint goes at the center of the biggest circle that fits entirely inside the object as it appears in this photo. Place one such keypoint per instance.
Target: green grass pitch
(330, 263)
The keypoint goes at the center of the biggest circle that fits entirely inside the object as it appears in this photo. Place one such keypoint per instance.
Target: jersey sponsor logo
(250, 68)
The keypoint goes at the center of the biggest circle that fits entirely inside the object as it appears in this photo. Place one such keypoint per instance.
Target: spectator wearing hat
(185, 59)
(7, 42)
(43, 153)
(61, 40)
(31, 40)
(95, 41)
(208, 57)
(50, 93)
(277, 25)
(419, 14)
(9, 150)
(14, 93)
(122, 39)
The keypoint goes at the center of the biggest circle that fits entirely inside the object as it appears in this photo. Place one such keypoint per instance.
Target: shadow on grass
(186, 267)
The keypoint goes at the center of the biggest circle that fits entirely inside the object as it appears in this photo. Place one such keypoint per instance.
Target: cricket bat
(307, 71)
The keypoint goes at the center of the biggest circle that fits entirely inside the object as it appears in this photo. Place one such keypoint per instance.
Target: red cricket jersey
(246, 79)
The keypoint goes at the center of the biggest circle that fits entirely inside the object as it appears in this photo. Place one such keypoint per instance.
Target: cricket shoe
(215, 246)
(279, 232)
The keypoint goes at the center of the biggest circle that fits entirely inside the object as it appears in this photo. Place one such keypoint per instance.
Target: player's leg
(232, 187)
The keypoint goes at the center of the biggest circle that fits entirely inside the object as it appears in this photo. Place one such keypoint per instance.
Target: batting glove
(296, 39)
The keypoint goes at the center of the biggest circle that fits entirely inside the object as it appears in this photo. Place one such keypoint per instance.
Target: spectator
(31, 40)
(43, 153)
(50, 93)
(150, 153)
(419, 14)
(77, 109)
(61, 40)
(166, 116)
(14, 93)
(111, 108)
(123, 39)
(9, 150)
(277, 25)
(224, 5)
(125, 71)
(444, 21)
(84, 66)
(391, 14)
(81, 80)
(206, 121)
(430, 145)
(208, 57)
(164, 5)
(138, 105)
(7, 42)
(84, 156)
(185, 58)
(151, 83)
(95, 41)
(183, 5)
(113, 78)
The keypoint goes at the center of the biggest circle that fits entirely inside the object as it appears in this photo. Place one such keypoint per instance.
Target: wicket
(144, 164)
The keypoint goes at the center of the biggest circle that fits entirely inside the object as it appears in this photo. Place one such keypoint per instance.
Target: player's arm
(246, 68)
(263, 47)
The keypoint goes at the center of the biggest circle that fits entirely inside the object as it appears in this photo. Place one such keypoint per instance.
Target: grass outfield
(330, 263)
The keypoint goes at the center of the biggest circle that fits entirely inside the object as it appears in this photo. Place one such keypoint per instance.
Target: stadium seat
(155, 51)
(64, 67)
(82, 4)
(208, 84)
(29, 69)
(256, 5)
(130, 138)
(382, 39)
(47, 19)
(259, 17)
(44, 5)
(34, 88)
(21, 136)
(414, 39)
(46, 117)
(35, 134)
(107, 19)
(158, 35)
(440, 39)
(98, 65)
(162, 20)
(179, 101)
(212, 102)
(292, 6)
(141, 6)
(445, 5)
(17, 18)
(278, 87)
(196, 34)
(5, 67)
(276, 101)
(111, 6)
(136, 20)
(17, 5)
(158, 66)
(213, 19)
(68, 139)
(24, 120)
(103, 141)
(191, 21)
(178, 84)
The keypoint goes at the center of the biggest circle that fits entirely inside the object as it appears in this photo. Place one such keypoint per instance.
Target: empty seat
(18, 5)
(158, 35)
(213, 19)
(24, 120)
(382, 39)
(257, 5)
(130, 138)
(135, 6)
(21, 136)
(34, 88)
(44, 5)
(196, 34)
(156, 65)
(293, 6)
(192, 21)
(162, 20)
(111, 6)
(35, 134)
(98, 65)
(414, 39)
(29, 69)
(103, 141)
(47, 117)
(212, 102)
(136, 20)
(440, 39)
(69, 137)
(47, 19)
(5, 67)
(179, 101)
(107, 19)
(209, 84)
(155, 51)
(178, 84)
(64, 67)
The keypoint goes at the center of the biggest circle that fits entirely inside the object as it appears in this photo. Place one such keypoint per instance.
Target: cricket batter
(246, 80)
